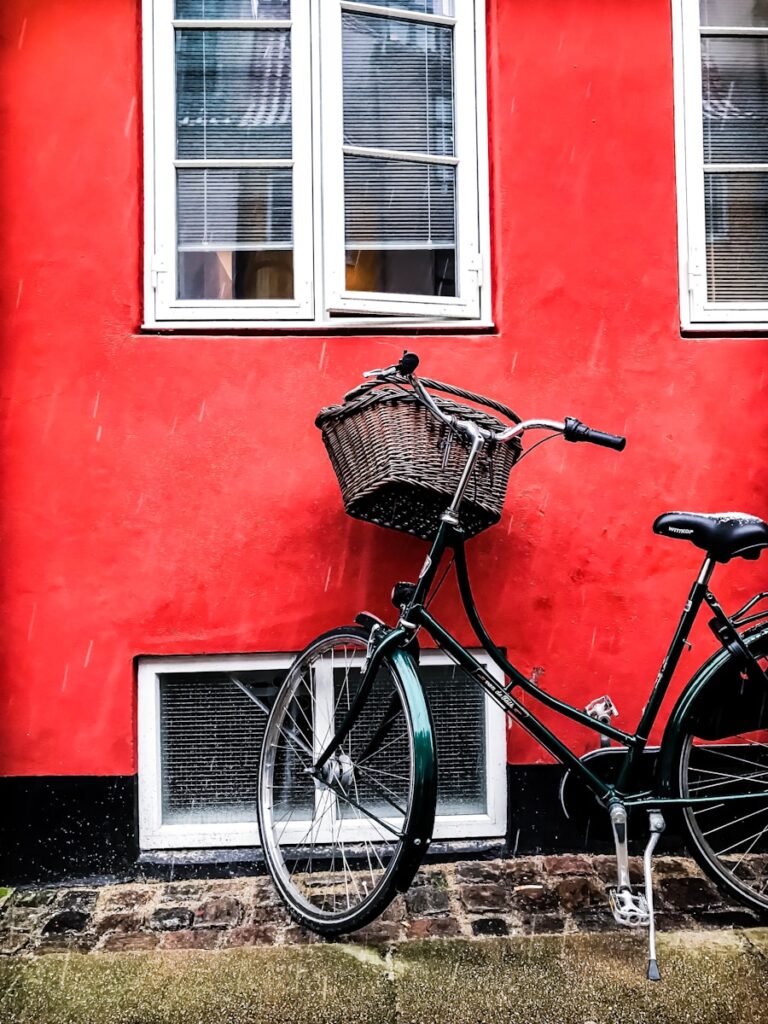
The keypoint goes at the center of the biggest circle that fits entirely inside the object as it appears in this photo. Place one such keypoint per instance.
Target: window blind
(250, 9)
(234, 179)
(734, 92)
(398, 89)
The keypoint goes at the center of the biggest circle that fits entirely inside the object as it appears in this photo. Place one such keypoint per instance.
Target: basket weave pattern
(399, 467)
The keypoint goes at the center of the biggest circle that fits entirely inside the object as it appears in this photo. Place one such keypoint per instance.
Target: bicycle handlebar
(575, 430)
(572, 429)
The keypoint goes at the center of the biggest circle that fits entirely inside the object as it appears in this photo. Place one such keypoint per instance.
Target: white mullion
(251, 162)
(232, 23)
(161, 305)
(734, 30)
(400, 154)
(468, 263)
(323, 730)
(736, 168)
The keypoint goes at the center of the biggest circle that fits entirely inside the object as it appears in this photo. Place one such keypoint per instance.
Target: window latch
(695, 272)
(157, 266)
(476, 264)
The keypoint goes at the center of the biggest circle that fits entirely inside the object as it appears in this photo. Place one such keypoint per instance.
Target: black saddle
(723, 535)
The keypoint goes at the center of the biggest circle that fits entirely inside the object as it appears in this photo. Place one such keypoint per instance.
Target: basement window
(200, 737)
(721, 64)
(315, 162)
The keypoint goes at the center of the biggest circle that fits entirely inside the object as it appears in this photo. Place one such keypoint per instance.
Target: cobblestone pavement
(564, 895)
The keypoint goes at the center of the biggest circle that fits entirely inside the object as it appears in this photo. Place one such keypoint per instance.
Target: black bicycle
(348, 773)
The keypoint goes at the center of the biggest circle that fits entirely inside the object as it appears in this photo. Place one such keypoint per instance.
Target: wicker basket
(399, 467)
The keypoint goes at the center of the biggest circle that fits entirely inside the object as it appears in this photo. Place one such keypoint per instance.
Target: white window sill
(297, 327)
(724, 328)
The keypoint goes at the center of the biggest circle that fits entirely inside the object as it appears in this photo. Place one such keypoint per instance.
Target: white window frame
(321, 301)
(696, 311)
(154, 834)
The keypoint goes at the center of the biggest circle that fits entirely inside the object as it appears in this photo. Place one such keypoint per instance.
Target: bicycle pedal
(602, 709)
(628, 908)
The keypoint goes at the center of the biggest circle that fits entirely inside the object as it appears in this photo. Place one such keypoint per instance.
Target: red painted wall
(170, 494)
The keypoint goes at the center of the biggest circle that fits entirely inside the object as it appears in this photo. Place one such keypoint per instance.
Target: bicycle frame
(415, 615)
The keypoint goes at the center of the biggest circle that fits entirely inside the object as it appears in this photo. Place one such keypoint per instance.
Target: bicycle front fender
(707, 699)
(422, 817)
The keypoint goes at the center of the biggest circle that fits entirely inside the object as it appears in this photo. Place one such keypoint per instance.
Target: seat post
(707, 568)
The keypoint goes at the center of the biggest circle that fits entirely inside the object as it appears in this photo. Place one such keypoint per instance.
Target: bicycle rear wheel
(723, 755)
(341, 841)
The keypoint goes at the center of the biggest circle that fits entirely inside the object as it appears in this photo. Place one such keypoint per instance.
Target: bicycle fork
(635, 910)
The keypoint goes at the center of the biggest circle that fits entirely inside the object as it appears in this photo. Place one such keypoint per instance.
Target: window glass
(736, 209)
(734, 13)
(734, 91)
(400, 215)
(234, 224)
(400, 222)
(398, 85)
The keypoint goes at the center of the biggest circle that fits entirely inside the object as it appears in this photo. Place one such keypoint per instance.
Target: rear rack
(740, 618)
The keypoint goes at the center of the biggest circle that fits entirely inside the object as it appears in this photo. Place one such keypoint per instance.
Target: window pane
(254, 9)
(444, 7)
(227, 275)
(735, 100)
(737, 237)
(398, 84)
(398, 216)
(402, 271)
(233, 94)
(210, 742)
(458, 708)
(241, 221)
(735, 13)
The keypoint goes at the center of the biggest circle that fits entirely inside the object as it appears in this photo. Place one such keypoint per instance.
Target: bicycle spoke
(380, 771)
(379, 750)
(730, 824)
(387, 793)
(755, 836)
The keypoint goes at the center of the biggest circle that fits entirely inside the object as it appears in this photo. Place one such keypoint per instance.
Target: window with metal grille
(722, 147)
(314, 160)
(201, 723)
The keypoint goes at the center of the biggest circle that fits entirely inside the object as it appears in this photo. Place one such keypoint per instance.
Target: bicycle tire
(350, 809)
(721, 740)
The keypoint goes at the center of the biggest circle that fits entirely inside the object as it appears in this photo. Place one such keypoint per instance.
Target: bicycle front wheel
(723, 757)
(340, 841)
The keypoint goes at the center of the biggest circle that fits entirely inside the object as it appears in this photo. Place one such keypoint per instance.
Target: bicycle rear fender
(709, 701)
(422, 819)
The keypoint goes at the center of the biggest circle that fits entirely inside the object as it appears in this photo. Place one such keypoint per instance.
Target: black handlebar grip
(408, 364)
(575, 430)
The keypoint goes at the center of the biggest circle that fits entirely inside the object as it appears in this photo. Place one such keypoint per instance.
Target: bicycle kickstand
(657, 826)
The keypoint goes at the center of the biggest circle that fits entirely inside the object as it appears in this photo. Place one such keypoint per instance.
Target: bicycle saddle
(723, 535)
